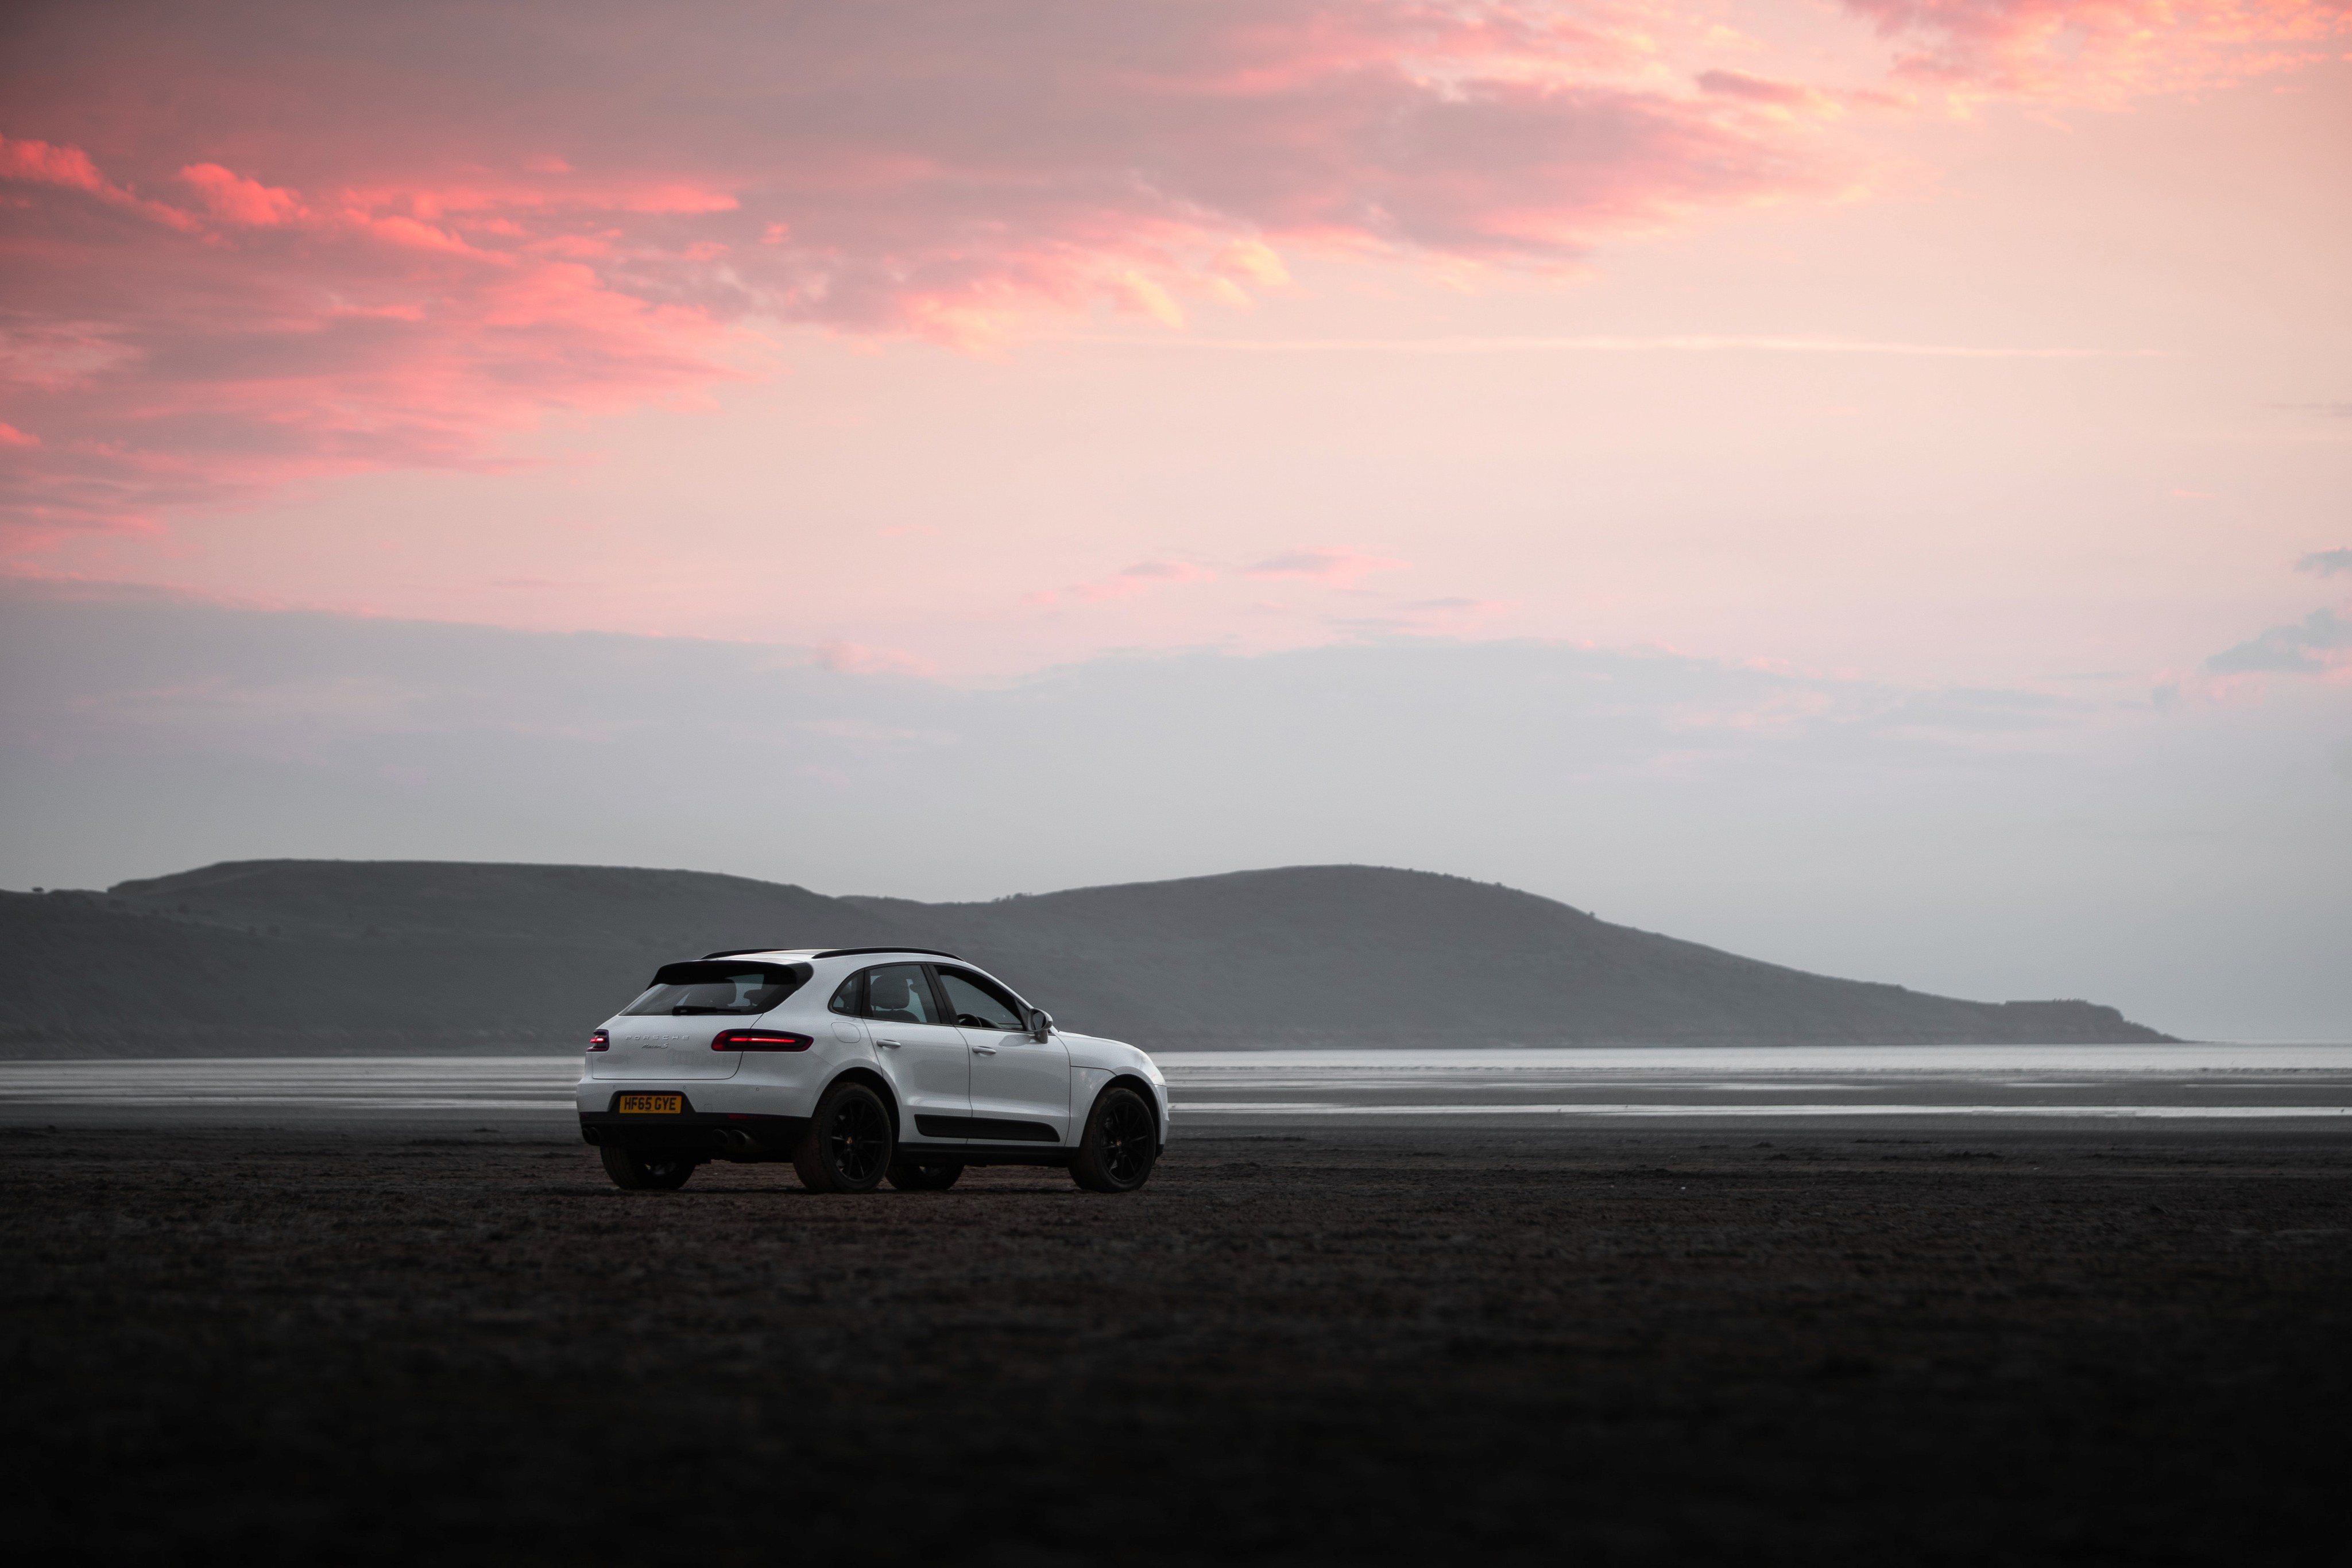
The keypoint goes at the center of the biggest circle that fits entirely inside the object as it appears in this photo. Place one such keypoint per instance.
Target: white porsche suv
(860, 1064)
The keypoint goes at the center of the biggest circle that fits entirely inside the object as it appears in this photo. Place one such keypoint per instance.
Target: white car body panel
(676, 1048)
(1019, 1079)
(929, 1066)
(933, 1070)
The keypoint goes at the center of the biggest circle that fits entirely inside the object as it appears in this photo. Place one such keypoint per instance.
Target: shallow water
(2040, 1083)
(2088, 1083)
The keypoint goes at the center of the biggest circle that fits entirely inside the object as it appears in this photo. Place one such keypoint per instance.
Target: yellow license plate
(653, 1104)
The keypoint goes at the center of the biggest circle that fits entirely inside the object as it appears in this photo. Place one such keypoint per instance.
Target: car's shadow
(682, 1194)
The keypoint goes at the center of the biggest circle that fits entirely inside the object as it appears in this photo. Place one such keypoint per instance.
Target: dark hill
(1340, 954)
(291, 955)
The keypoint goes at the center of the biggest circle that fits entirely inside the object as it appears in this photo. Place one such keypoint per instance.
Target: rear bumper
(713, 1135)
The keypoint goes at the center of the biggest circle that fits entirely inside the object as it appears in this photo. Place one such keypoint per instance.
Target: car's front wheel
(633, 1170)
(848, 1147)
(1120, 1144)
(926, 1176)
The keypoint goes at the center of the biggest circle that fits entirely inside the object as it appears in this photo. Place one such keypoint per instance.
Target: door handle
(983, 1050)
(891, 1043)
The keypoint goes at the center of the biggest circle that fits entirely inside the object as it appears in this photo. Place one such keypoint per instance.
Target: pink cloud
(270, 339)
(866, 659)
(240, 199)
(2100, 50)
(242, 252)
(1340, 568)
(398, 230)
(1125, 583)
(1455, 607)
(38, 163)
(33, 163)
(1757, 89)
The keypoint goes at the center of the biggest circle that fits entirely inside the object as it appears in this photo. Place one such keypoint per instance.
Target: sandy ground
(324, 1345)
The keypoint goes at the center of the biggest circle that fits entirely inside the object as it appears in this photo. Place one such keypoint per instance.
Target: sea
(1856, 1085)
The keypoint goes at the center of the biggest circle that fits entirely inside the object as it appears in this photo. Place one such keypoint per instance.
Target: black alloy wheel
(633, 1170)
(925, 1175)
(848, 1144)
(1120, 1144)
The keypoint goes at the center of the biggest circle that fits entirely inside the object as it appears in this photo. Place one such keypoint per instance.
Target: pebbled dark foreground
(1448, 1346)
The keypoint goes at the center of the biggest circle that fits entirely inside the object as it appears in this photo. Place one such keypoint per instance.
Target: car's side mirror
(1041, 1024)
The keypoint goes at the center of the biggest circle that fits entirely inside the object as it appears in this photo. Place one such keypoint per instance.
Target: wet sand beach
(1301, 1342)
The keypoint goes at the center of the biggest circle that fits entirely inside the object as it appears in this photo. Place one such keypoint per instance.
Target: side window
(845, 995)
(978, 1004)
(899, 993)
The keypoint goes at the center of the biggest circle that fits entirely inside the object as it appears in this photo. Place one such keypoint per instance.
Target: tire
(929, 1176)
(1120, 1144)
(633, 1171)
(848, 1144)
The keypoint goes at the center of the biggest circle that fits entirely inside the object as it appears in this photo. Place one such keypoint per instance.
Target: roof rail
(850, 952)
(833, 952)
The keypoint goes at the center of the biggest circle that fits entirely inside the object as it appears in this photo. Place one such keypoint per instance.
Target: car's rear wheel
(1120, 1144)
(641, 1170)
(847, 1147)
(925, 1175)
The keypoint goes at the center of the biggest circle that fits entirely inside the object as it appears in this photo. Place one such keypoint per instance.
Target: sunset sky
(1867, 484)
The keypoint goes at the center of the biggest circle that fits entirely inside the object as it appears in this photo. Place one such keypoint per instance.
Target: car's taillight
(601, 1040)
(759, 1039)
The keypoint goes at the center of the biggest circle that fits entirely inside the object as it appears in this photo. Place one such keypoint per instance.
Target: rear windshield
(686, 989)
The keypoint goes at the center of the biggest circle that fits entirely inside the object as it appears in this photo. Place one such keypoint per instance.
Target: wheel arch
(1142, 1086)
(872, 1080)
